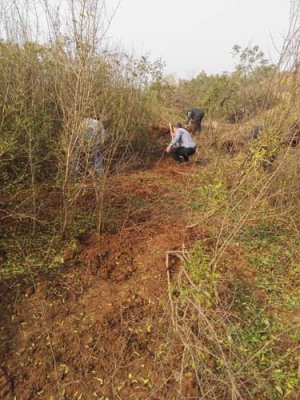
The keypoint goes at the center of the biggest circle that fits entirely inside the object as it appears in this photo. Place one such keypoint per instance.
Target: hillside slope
(111, 321)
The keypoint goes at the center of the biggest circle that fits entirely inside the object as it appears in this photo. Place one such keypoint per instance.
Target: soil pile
(98, 326)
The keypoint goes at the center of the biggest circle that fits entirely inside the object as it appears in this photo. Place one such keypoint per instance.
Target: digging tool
(171, 130)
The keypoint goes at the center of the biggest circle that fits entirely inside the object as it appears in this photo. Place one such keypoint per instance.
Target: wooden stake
(171, 130)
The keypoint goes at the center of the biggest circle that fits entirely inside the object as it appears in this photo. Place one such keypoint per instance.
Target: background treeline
(46, 90)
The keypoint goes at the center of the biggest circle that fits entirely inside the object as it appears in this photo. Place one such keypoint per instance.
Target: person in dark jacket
(182, 145)
(195, 115)
(257, 129)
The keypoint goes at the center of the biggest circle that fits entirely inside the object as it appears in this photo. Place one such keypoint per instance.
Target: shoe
(182, 163)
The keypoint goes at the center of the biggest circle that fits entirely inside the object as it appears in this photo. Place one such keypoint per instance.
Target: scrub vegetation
(151, 280)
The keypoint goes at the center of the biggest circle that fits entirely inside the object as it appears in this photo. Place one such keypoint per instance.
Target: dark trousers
(196, 125)
(181, 154)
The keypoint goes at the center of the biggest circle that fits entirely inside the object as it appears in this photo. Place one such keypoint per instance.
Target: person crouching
(182, 145)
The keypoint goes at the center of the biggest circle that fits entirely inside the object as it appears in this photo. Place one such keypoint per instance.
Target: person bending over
(182, 145)
(195, 115)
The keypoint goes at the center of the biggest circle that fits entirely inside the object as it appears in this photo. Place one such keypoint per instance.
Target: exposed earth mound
(96, 327)
(98, 322)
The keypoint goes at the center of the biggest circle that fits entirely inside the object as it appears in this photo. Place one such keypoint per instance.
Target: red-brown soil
(97, 327)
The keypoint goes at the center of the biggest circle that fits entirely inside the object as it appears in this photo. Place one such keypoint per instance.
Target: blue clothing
(183, 138)
(89, 140)
(94, 132)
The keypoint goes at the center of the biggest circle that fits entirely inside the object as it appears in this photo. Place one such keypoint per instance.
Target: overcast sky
(191, 36)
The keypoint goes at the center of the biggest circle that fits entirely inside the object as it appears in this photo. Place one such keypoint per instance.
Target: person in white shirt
(182, 145)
